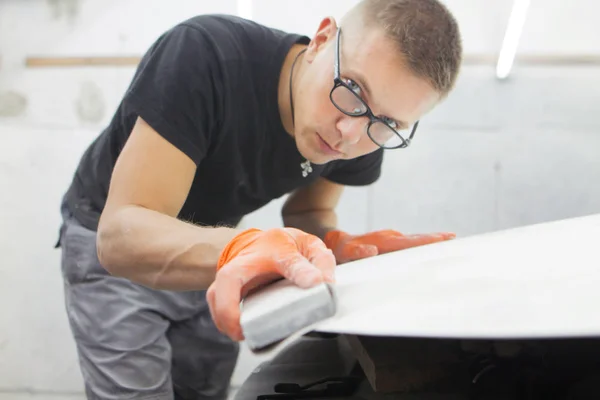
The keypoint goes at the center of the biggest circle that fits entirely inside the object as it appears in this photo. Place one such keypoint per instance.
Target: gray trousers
(134, 342)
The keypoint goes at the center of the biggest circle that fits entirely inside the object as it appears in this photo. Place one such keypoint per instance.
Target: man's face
(371, 65)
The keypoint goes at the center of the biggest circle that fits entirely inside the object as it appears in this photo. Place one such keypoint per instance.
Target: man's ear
(326, 32)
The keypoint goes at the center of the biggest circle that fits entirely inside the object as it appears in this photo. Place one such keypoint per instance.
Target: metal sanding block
(282, 309)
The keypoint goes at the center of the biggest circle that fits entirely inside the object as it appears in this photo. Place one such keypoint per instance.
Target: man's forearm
(159, 251)
(317, 222)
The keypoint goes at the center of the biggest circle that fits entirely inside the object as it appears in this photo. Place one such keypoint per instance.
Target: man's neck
(285, 109)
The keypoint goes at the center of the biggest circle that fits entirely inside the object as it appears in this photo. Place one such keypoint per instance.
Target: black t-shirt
(209, 86)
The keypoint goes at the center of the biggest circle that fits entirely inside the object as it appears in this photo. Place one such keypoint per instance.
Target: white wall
(494, 155)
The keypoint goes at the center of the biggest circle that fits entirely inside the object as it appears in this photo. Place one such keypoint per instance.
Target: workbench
(462, 319)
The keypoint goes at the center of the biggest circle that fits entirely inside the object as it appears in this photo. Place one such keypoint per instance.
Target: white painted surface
(538, 281)
(492, 156)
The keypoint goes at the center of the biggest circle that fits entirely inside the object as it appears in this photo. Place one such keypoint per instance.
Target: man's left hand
(347, 247)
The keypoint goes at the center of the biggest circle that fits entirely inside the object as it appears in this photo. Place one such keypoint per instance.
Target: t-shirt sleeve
(175, 91)
(360, 171)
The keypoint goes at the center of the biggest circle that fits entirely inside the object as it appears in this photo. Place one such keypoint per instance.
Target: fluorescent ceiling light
(244, 8)
(511, 38)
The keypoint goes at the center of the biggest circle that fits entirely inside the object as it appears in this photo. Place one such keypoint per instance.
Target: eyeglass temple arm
(336, 59)
(414, 129)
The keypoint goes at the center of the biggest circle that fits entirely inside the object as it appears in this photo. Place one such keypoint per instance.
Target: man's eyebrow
(363, 83)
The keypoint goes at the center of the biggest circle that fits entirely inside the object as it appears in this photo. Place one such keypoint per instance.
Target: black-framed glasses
(344, 97)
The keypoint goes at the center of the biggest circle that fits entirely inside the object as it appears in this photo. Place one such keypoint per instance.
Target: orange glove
(254, 258)
(348, 247)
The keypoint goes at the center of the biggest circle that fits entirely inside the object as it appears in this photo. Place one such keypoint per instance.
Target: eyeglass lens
(382, 134)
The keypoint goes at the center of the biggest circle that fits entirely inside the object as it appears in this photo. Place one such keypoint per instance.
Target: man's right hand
(254, 258)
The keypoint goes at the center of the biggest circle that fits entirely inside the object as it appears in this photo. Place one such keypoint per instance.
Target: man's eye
(353, 85)
(390, 122)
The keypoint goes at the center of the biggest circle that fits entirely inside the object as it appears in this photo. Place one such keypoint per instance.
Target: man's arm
(312, 208)
(139, 236)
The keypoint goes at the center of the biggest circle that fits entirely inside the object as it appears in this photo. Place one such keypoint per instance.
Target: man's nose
(352, 128)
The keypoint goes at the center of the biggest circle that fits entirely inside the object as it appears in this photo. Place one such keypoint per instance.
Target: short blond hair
(427, 36)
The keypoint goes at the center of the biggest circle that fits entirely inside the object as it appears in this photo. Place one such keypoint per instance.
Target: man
(222, 116)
